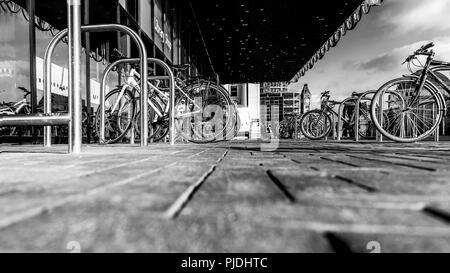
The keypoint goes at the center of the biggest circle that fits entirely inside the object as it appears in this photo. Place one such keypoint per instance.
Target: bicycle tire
(122, 133)
(325, 132)
(220, 134)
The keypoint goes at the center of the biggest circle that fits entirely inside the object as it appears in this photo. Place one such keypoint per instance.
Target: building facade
(167, 28)
(247, 98)
(272, 105)
(290, 100)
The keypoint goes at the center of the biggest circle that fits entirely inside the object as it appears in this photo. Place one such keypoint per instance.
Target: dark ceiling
(247, 40)
(266, 40)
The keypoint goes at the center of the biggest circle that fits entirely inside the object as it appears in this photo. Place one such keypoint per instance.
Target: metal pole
(31, 4)
(340, 114)
(357, 113)
(74, 26)
(357, 116)
(436, 131)
(34, 120)
(381, 116)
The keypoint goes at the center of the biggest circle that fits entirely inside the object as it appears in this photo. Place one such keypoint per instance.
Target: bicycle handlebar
(425, 47)
(423, 50)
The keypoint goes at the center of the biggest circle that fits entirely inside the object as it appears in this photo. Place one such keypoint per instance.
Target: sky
(372, 54)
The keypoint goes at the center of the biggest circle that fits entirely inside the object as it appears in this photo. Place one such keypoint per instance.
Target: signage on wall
(164, 36)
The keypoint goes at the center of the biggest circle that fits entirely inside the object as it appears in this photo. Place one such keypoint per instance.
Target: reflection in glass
(14, 55)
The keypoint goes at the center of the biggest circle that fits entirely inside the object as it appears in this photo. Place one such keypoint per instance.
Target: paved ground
(230, 197)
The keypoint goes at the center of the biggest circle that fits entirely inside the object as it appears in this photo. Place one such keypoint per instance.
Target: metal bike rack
(73, 117)
(357, 115)
(341, 113)
(171, 79)
(47, 77)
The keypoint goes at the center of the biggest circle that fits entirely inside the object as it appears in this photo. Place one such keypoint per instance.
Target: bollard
(97, 28)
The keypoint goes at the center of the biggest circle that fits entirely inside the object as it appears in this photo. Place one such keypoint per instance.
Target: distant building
(305, 100)
(272, 102)
(247, 98)
(290, 103)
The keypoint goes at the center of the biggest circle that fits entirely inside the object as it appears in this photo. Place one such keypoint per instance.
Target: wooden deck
(228, 197)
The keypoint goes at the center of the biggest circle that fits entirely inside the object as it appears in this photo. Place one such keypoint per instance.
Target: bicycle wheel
(408, 115)
(315, 125)
(203, 113)
(119, 115)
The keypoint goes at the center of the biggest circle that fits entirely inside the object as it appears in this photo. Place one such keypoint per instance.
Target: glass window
(146, 17)
(168, 41)
(14, 53)
(175, 36)
(234, 91)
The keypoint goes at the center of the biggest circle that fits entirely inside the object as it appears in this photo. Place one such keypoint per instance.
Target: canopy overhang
(266, 40)
(246, 40)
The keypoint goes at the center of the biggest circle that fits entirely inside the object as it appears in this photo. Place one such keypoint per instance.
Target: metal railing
(98, 28)
(171, 79)
(73, 117)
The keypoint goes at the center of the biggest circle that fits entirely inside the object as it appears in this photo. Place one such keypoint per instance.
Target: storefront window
(158, 25)
(14, 52)
(131, 6)
(146, 17)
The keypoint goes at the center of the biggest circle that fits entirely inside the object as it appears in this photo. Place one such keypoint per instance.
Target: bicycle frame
(134, 84)
(430, 69)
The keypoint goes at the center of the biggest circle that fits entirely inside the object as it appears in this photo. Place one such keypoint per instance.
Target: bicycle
(412, 105)
(201, 107)
(21, 107)
(205, 112)
(287, 126)
(317, 124)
